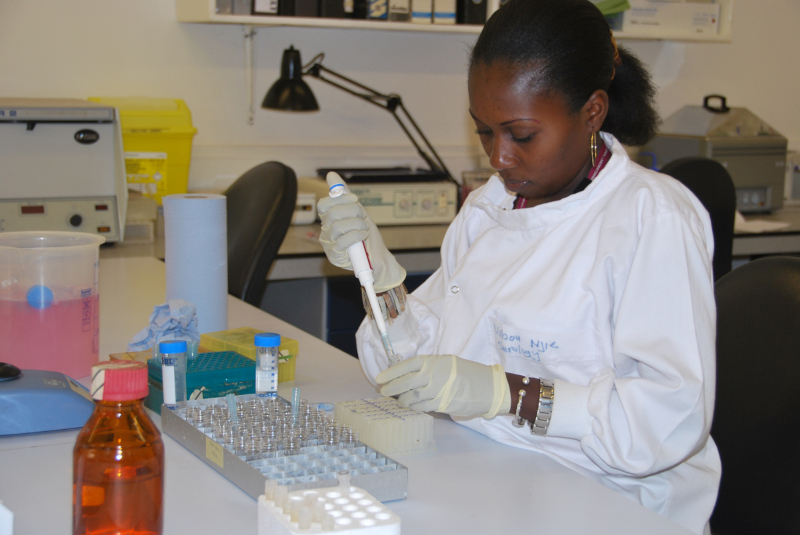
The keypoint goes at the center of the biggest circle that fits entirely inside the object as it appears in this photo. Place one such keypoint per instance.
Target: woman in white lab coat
(573, 313)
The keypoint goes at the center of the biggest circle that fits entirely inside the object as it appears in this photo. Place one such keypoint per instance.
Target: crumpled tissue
(174, 320)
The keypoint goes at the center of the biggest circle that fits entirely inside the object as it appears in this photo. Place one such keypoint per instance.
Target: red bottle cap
(119, 380)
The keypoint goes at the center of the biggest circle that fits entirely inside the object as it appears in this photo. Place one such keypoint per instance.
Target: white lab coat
(610, 293)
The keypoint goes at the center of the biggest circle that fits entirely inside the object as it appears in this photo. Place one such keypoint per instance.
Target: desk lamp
(291, 93)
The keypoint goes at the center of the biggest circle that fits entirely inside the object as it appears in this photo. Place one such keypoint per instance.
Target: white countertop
(470, 484)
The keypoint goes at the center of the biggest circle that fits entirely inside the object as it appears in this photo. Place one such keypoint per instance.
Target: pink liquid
(62, 337)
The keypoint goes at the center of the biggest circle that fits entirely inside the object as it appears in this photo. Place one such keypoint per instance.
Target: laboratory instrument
(753, 152)
(386, 426)
(344, 509)
(49, 303)
(400, 195)
(305, 212)
(32, 401)
(63, 167)
(118, 459)
(363, 271)
(267, 345)
(173, 371)
(259, 440)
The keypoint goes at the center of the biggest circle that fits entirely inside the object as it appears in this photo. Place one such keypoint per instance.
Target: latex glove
(446, 383)
(345, 222)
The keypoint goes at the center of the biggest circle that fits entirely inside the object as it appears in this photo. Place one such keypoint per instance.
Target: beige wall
(81, 48)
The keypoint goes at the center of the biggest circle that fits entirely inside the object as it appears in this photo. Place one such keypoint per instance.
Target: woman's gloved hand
(345, 222)
(446, 383)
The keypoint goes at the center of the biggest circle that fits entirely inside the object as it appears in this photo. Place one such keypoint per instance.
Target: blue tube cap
(39, 296)
(172, 346)
(267, 340)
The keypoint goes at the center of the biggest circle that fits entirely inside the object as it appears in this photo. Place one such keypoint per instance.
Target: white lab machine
(402, 196)
(61, 167)
(753, 152)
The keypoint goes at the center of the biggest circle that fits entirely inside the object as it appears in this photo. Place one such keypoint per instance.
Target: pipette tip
(387, 345)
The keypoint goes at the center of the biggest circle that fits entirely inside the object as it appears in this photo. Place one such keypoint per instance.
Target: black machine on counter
(753, 152)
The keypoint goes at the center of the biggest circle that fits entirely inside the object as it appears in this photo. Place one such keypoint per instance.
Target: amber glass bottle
(118, 460)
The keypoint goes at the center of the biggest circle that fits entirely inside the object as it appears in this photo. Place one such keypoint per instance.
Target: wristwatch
(545, 410)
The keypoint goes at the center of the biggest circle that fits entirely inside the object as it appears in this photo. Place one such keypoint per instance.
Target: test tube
(344, 481)
(233, 414)
(267, 364)
(295, 402)
(173, 371)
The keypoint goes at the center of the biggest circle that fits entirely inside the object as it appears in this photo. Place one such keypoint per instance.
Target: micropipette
(363, 270)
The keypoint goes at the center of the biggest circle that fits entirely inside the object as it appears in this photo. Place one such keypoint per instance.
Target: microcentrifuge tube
(230, 399)
(318, 511)
(295, 402)
(294, 510)
(269, 489)
(281, 495)
(304, 520)
(344, 481)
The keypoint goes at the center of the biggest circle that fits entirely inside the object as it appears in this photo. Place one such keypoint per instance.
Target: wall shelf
(204, 11)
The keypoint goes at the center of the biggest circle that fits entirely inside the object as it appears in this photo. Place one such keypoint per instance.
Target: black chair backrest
(757, 414)
(260, 205)
(713, 186)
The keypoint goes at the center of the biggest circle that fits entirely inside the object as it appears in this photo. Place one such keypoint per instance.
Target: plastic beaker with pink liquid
(49, 305)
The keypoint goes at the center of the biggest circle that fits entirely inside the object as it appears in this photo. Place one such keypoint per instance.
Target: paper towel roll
(196, 256)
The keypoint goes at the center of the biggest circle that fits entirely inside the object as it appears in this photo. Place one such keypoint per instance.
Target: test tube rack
(344, 510)
(301, 461)
(386, 426)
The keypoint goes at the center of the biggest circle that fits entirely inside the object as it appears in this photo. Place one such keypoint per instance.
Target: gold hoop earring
(593, 147)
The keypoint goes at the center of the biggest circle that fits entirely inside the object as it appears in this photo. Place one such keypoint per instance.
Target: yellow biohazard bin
(157, 138)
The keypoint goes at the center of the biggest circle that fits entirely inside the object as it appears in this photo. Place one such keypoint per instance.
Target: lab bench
(470, 484)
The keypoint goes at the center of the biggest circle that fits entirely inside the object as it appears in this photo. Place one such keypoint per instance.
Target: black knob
(9, 372)
(76, 220)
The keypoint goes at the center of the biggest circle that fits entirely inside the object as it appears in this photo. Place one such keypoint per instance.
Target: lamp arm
(390, 103)
(373, 97)
(437, 164)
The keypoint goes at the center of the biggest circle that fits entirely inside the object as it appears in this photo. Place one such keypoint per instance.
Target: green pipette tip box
(215, 374)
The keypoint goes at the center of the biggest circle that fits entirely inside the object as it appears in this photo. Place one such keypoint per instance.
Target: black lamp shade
(290, 92)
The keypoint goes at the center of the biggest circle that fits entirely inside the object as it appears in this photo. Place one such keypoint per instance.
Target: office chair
(757, 414)
(713, 186)
(260, 204)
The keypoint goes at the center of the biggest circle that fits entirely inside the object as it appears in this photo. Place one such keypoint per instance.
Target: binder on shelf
(241, 7)
(377, 9)
(298, 8)
(264, 7)
(334, 9)
(422, 11)
(400, 10)
(444, 11)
